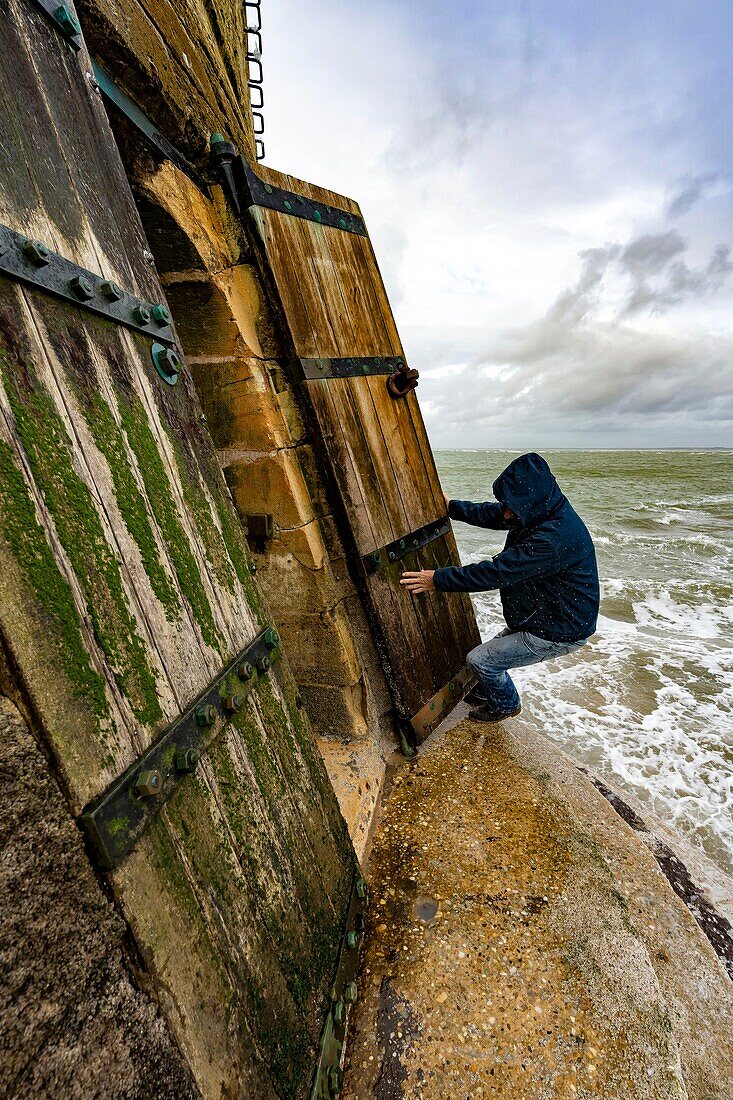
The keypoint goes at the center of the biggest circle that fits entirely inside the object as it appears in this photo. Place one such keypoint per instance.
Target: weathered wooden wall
(273, 465)
(335, 306)
(125, 586)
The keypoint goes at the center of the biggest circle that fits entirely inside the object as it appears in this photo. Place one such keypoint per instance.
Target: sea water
(648, 704)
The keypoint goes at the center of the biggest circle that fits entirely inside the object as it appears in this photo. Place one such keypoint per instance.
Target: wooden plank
(333, 330)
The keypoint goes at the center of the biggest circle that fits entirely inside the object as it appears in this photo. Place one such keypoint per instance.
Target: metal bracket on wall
(32, 263)
(441, 704)
(245, 189)
(353, 367)
(328, 1079)
(145, 126)
(63, 18)
(116, 819)
(400, 548)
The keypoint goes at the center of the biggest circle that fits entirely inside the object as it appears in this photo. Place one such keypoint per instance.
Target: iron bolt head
(361, 889)
(141, 315)
(37, 253)
(167, 363)
(148, 783)
(252, 568)
(233, 703)
(272, 638)
(263, 664)
(186, 760)
(67, 21)
(111, 290)
(352, 940)
(149, 258)
(338, 1012)
(205, 715)
(245, 671)
(350, 993)
(334, 1080)
(161, 315)
(81, 288)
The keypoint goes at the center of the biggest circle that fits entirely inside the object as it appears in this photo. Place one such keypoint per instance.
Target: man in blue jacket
(546, 575)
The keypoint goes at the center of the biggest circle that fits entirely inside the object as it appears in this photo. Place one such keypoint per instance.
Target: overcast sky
(549, 190)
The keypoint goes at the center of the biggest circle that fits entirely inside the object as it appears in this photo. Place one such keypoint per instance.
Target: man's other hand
(446, 498)
(419, 582)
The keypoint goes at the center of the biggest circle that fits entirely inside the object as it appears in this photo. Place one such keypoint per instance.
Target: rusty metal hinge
(441, 704)
(114, 821)
(245, 189)
(351, 367)
(408, 544)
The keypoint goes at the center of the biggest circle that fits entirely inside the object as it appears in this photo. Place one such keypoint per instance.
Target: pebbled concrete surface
(523, 943)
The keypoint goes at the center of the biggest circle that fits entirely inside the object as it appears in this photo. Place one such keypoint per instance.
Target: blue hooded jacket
(546, 574)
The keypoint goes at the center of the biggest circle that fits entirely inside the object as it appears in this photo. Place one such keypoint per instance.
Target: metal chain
(253, 32)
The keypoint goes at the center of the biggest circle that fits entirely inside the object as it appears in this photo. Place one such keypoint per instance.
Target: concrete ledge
(523, 942)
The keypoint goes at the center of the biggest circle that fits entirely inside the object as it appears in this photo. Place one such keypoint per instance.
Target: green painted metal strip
(408, 544)
(116, 819)
(328, 1076)
(145, 125)
(352, 367)
(63, 18)
(32, 263)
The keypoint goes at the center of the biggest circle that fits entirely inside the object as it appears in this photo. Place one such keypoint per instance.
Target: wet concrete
(524, 943)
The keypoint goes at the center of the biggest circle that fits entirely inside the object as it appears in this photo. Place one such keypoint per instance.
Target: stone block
(270, 483)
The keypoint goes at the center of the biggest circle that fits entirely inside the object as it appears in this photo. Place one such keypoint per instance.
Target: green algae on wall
(27, 541)
(48, 449)
(130, 501)
(158, 490)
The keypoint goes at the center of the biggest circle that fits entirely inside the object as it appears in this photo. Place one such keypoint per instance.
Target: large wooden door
(126, 591)
(318, 255)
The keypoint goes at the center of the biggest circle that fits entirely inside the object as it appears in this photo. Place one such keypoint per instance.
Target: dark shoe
(485, 714)
(474, 697)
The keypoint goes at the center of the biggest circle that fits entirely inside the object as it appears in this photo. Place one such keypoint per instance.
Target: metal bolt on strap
(116, 819)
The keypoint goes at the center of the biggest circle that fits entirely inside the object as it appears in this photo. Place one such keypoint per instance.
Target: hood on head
(528, 488)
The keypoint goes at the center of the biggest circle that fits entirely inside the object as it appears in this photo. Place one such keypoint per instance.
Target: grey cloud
(690, 193)
(651, 253)
(575, 366)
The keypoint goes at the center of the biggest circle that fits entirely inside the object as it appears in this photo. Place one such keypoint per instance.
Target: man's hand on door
(419, 582)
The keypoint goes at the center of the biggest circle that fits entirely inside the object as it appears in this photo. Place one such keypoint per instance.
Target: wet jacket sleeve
(537, 557)
(490, 514)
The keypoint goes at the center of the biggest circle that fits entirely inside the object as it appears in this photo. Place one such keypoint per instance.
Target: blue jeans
(511, 649)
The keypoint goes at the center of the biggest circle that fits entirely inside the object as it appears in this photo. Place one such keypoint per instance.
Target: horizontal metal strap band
(145, 125)
(343, 996)
(400, 548)
(116, 819)
(260, 193)
(441, 704)
(32, 263)
(64, 19)
(352, 367)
